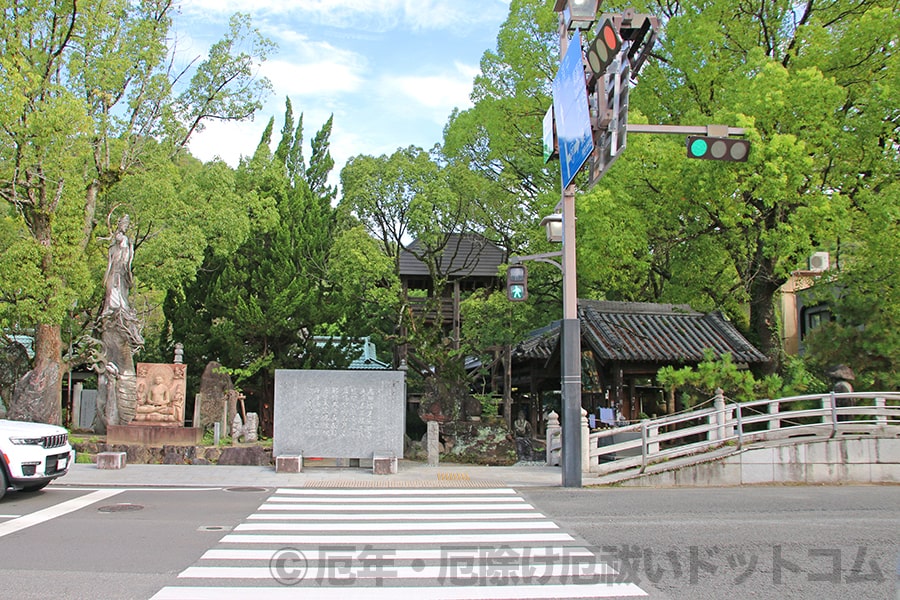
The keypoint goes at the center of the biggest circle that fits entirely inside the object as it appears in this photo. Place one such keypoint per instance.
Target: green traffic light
(718, 148)
(699, 147)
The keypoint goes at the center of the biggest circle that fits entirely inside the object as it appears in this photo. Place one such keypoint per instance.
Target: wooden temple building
(623, 346)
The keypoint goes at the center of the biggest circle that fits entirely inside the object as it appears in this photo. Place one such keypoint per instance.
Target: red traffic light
(603, 50)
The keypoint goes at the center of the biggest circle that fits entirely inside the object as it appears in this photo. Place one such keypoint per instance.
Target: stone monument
(339, 414)
(120, 337)
(159, 413)
(215, 404)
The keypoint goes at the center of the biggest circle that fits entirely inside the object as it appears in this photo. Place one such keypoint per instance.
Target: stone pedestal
(384, 464)
(288, 464)
(111, 460)
(154, 435)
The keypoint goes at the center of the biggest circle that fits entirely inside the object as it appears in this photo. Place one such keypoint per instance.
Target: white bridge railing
(732, 424)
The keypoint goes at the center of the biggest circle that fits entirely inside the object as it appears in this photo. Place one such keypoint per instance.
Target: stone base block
(288, 464)
(154, 435)
(111, 460)
(384, 464)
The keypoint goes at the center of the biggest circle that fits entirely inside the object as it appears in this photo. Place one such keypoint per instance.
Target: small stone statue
(522, 433)
(246, 431)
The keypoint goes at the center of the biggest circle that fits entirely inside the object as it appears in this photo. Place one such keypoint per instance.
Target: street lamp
(554, 226)
(579, 14)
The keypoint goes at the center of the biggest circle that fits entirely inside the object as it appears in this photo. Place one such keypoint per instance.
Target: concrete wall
(836, 461)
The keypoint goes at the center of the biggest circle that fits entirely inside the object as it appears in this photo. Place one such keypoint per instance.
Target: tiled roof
(465, 255)
(660, 333)
(644, 332)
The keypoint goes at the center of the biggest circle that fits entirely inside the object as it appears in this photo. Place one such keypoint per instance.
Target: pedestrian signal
(517, 283)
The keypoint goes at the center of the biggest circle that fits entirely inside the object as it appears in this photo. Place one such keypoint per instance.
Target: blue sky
(390, 71)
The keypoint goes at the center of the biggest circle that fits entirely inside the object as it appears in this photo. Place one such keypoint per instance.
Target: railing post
(774, 407)
(740, 426)
(554, 431)
(881, 414)
(833, 405)
(585, 443)
(644, 436)
(719, 405)
(653, 439)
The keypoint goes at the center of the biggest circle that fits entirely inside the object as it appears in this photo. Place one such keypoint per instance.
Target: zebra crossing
(397, 544)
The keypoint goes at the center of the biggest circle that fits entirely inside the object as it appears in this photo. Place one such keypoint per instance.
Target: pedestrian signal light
(718, 148)
(603, 50)
(517, 283)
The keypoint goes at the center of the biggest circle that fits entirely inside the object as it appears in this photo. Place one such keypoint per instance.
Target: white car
(34, 454)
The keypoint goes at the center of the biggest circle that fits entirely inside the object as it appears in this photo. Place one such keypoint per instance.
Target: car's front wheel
(3, 483)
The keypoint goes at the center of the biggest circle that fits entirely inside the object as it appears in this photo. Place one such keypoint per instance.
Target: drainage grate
(246, 489)
(114, 508)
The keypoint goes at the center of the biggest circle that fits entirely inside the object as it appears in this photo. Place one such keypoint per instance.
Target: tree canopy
(90, 103)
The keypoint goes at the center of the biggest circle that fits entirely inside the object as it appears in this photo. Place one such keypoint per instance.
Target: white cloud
(325, 78)
(390, 71)
(227, 140)
(367, 15)
(439, 93)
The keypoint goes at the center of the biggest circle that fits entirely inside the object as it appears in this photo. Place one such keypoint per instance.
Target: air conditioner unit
(819, 261)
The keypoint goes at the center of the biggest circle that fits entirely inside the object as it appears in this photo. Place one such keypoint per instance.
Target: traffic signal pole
(570, 338)
(570, 346)
(613, 57)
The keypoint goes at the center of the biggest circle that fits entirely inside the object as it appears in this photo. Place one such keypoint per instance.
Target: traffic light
(517, 283)
(717, 148)
(602, 51)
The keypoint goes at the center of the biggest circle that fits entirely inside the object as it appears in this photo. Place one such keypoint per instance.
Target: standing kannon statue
(120, 337)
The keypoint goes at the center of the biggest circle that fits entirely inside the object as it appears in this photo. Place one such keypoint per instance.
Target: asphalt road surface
(799, 542)
(247, 542)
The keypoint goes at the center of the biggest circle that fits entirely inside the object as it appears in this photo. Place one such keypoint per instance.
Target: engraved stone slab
(161, 392)
(339, 414)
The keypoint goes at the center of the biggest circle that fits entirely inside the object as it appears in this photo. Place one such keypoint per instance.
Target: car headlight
(20, 441)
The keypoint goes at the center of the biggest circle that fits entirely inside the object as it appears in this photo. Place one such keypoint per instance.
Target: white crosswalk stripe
(398, 544)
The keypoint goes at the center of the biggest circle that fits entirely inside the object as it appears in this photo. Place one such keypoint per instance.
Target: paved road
(757, 542)
(798, 542)
(110, 544)
(397, 544)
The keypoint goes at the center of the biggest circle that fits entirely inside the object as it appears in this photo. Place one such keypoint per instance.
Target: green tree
(408, 202)
(803, 104)
(864, 294)
(87, 99)
(814, 85)
(302, 274)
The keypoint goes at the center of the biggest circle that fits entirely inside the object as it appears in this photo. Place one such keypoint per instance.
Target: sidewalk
(409, 474)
